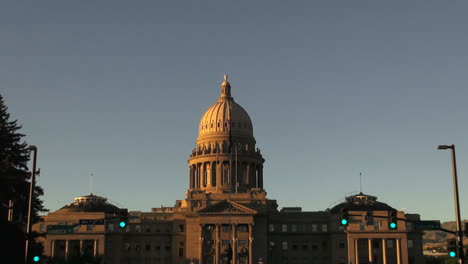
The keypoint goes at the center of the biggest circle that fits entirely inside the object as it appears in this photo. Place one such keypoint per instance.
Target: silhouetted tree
(14, 175)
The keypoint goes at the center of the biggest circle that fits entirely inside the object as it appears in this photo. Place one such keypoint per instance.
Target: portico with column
(377, 248)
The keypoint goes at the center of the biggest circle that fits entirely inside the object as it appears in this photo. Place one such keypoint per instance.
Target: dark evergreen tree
(14, 176)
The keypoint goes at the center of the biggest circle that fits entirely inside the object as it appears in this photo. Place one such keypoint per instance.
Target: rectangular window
(110, 227)
(341, 244)
(127, 246)
(410, 243)
(314, 246)
(376, 225)
(284, 245)
(242, 228)
(324, 228)
(293, 228)
(295, 245)
(205, 178)
(147, 246)
(242, 242)
(89, 228)
(181, 228)
(284, 228)
(324, 244)
(409, 226)
(314, 228)
(138, 228)
(137, 247)
(271, 227)
(389, 243)
(181, 252)
(225, 175)
(225, 242)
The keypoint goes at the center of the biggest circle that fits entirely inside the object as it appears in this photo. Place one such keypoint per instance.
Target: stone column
(350, 248)
(191, 177)
(52, 250)
(247, 175)
(250, 243)
(234, 244)
(66, 249)
(370, 250)
(260, 176)
(384, 251)
(209, 173)
(219, 174)
(398, 251)
(203, 173)
(200, 252)
(195, 176)
(217, 242)
(200, 176)
(404, 250)
(95, 247)
(356, 251)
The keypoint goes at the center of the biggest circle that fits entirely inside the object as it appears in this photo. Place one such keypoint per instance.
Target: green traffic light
(452, 254)
(36, 258)
(392, 225)
(344, 221)
(122, 224)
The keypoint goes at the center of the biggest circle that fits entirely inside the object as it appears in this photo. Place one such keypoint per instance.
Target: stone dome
(90, 203)
(215, 119)
(361, 202)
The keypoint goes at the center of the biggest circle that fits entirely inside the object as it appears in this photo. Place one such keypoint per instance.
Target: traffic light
(123, 220)
(452, 247)
(392, 219)
(344, 217)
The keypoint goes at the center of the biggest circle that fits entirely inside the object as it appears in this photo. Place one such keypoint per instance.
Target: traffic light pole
(459, 232)
(457, 208)
(30, 207)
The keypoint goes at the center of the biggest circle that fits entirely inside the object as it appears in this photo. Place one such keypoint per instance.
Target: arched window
(225, 175)
(205, 177)
(213, 174)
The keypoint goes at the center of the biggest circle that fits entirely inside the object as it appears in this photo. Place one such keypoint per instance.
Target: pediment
(227, 208)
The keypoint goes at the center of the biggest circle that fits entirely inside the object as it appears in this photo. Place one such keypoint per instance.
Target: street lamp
(31, 196)
(457, 203)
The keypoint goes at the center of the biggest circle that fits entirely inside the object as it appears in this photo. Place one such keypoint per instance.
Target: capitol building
(226, 216)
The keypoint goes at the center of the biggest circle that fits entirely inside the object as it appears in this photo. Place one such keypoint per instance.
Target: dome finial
(225, 89)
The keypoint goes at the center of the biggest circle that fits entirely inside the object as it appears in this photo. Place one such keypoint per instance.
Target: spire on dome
(225, 89)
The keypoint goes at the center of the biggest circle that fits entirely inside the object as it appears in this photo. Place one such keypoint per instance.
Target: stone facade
(226, 210)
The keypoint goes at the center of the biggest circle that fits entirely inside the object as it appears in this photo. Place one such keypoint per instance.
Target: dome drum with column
(209, 163)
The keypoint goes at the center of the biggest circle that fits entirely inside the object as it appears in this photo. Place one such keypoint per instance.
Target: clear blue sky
(334, 88)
